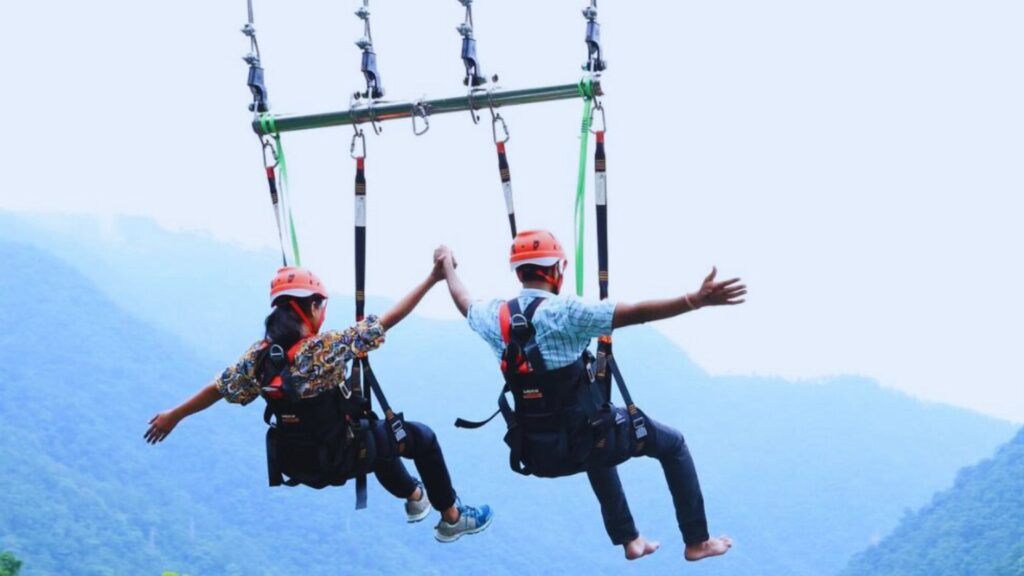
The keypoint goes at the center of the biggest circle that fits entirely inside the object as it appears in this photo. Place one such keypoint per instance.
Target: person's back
(560, 329)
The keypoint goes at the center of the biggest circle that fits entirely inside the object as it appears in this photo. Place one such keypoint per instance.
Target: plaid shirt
(319, 364)
(564, 325)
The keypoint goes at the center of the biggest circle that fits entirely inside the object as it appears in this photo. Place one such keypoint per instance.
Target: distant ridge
(976, 527)
(802, 474)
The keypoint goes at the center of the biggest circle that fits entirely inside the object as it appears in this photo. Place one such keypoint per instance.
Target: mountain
(976, 527)
(801, 474)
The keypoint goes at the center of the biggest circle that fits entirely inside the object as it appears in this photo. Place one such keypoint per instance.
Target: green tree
(9, 565)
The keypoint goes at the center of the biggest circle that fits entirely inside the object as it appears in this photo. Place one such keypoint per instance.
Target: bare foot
(708, 548)
(639, 548)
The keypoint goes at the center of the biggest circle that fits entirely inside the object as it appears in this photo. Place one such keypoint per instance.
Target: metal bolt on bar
(382, 111)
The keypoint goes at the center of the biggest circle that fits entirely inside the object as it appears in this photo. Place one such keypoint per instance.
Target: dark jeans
(422, 448)
(668, 446)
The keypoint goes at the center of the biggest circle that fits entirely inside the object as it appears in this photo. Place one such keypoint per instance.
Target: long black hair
(284, 326)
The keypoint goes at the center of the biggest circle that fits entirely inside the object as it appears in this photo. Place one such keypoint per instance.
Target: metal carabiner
(420, 109)
(504, 128)
(598, 107)
(496, 118)
(268, 144)
(361, 138)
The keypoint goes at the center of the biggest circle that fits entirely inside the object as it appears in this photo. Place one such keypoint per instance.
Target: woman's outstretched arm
(406, 305)
(162, 424)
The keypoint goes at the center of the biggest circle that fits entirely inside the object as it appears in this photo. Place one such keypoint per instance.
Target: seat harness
(560, 415)
(320, 441)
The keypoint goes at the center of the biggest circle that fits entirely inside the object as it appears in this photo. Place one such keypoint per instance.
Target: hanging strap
(277, 179)
(607, 367)
(586, 89)
(604, 343)
(506, 186)
(362, 376)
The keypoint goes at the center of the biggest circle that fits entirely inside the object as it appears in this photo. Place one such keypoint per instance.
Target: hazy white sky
(857, 163)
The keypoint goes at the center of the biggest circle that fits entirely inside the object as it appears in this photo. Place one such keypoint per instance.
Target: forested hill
(803, 475)
(975, 528)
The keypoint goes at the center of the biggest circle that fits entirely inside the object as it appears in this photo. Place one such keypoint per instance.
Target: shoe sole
(450, 539)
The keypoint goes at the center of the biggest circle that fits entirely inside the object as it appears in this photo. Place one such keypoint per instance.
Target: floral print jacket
(319, 363)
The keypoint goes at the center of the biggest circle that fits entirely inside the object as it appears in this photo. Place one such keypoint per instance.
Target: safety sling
(361, 376)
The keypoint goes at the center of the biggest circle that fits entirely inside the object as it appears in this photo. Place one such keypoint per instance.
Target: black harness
(560, 415)
(318, 442)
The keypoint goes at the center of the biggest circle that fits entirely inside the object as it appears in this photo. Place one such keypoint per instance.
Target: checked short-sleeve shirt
(564, 326)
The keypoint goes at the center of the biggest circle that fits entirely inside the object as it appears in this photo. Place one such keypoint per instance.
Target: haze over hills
(976, 527)
(803, 475)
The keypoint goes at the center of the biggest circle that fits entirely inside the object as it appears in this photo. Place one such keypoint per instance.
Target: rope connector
(595, 63)
(374, 88)
(474, 74)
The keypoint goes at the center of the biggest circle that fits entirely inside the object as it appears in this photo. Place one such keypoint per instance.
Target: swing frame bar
(383, 111)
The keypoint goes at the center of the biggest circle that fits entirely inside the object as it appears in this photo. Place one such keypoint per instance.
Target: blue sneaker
(471, 520)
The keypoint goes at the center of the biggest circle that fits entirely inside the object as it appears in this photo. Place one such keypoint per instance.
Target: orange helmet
(538, 247)
(296, 282)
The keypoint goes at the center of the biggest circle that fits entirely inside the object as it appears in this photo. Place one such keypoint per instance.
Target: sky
(858, 164)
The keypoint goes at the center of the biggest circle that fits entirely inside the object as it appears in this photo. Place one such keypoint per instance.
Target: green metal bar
(383, 111)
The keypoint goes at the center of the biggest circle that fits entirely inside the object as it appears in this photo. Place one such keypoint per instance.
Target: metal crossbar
(382, 111)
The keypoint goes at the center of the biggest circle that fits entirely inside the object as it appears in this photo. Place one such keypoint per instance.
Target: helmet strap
(313, 328)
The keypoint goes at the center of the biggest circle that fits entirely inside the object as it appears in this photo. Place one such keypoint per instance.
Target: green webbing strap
(587, 92)
(269, 126)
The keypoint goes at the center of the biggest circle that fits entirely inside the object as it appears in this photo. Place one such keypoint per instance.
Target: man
(553, 337)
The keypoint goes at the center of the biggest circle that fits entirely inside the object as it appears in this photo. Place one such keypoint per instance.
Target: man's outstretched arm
(460, 296)
(711, 293)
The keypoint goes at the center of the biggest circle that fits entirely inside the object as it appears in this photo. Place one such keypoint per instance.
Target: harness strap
(506, 185)
(514, 436)
(360, 214)
(521, 329)
(635, 416)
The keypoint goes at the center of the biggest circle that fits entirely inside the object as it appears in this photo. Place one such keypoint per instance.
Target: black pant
(422, 448)
(668, 446)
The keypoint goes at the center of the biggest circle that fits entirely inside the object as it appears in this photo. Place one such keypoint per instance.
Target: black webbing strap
(635, 416)
(604, 345)
(360, 365)
(506, 185)
(393, 421)
(514, 437)
(360, 214)
(601, 198)
(474, 424)
(605, 358)
(530, 348)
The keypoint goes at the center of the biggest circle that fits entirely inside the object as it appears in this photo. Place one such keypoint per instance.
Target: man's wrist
(693, 301)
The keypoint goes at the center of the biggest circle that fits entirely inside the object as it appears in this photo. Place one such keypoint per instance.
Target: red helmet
(295, 282)
(538, 247)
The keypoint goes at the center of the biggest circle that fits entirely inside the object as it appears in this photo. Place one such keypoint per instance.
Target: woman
(301, 371)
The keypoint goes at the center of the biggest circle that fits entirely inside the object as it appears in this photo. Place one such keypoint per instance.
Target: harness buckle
(519, 321)
(346, 392)
(640, 427)
(276, 354)
(398, 431)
